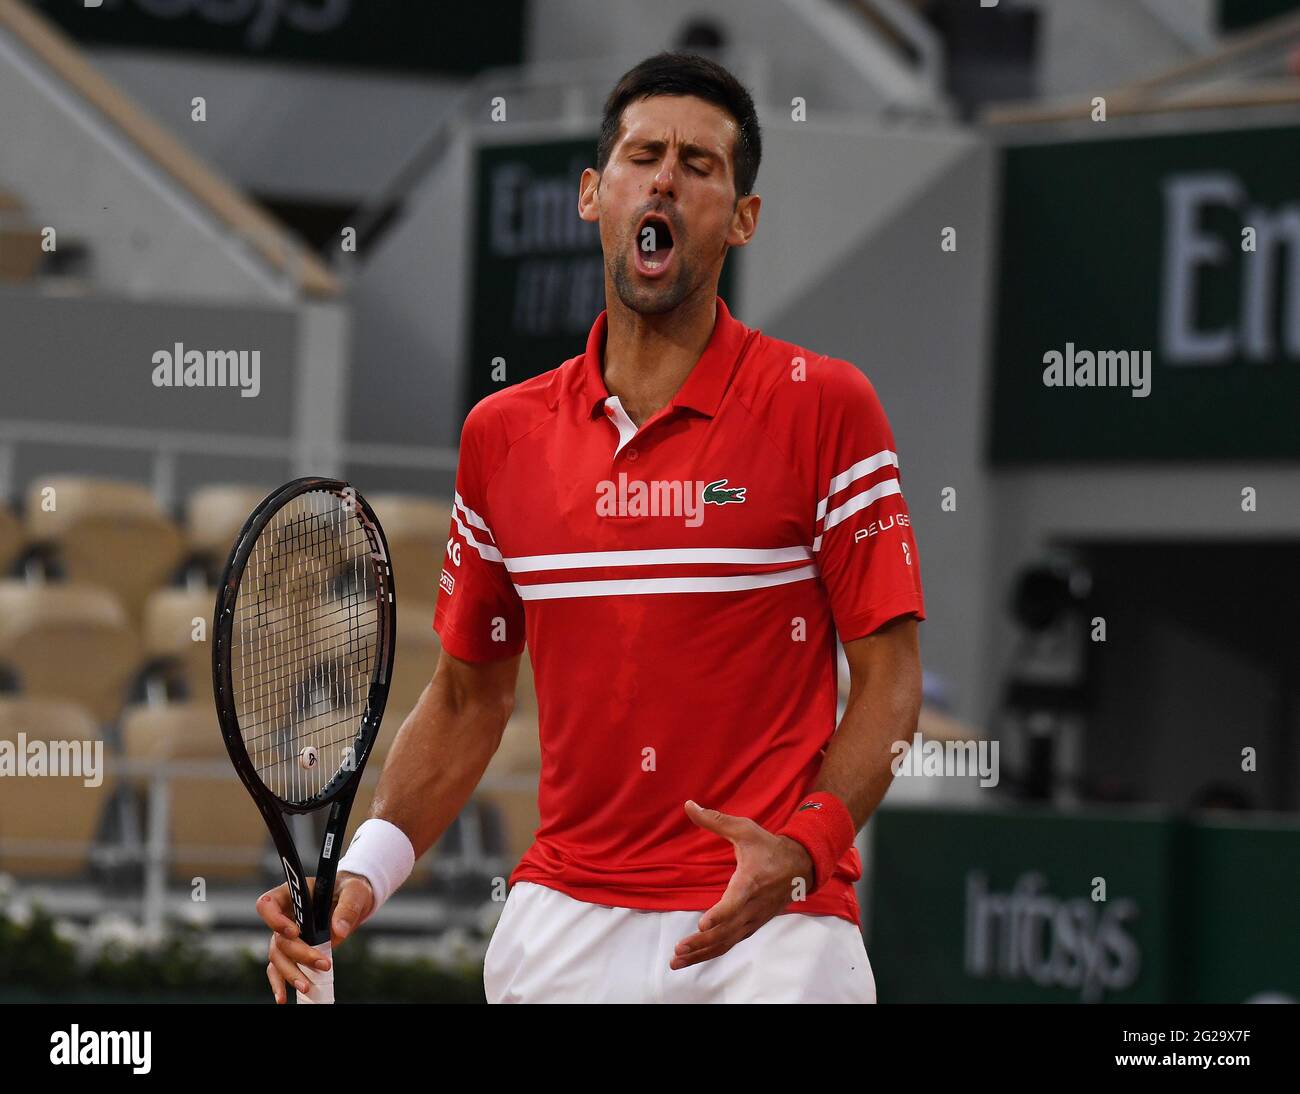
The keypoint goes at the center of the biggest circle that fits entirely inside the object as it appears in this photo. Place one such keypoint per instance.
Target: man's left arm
(772, 868)
(866, 557)
(883, 707)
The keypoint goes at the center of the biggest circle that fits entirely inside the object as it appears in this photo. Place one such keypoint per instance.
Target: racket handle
(321, 983)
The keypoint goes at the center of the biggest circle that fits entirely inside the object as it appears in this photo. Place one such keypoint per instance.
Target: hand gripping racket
(302, 656)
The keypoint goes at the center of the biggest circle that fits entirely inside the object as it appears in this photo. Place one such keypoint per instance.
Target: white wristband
(381, 853)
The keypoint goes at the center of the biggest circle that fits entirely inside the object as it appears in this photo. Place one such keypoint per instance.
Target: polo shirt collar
(704, 385)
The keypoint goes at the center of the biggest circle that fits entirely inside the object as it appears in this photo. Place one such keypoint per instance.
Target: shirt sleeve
(479, 616)
(863, 538)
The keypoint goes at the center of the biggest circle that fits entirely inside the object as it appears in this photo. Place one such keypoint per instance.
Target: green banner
(977, 906)
(1149, 299)
(455, 39)
(1245, 935)
(1039, 906)
(1238, 14)
(539, 274)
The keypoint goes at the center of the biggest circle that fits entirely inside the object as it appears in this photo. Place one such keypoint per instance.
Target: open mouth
(653, 245)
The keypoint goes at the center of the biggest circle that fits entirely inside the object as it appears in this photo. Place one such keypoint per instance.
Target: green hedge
(38, 962)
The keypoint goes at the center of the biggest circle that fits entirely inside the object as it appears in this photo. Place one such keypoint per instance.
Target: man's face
(666, 201)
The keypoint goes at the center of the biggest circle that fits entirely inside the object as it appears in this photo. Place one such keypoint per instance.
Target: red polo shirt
(679, 587)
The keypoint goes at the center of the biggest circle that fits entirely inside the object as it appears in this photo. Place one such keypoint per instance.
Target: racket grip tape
(320, 984)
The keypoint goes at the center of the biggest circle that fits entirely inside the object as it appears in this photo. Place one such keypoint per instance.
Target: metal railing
(149, 846)
(1184, 87)
(165, 446)
(913, 39)
(107, 109)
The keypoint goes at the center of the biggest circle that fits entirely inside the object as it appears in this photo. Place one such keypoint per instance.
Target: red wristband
(824, 827)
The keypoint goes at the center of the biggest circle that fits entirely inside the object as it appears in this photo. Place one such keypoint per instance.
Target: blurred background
(379, 202)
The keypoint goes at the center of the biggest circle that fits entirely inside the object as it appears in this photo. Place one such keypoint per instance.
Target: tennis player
(678, 522)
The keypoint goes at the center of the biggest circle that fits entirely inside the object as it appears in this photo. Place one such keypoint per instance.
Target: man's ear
(588, 189)
(745, 221)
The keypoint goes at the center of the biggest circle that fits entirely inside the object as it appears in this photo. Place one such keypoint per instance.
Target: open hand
(768, 867)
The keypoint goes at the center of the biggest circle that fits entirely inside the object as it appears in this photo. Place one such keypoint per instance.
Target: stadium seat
(416, 529)
(365, 796)
(48, 825)
(169, 616)
(416, 657)
(214, 831)
(520, 752)
(515, 806)
(214, 516)
(11, 538)
(20, 242)
(68, 641)
(518, 758)
(107, 532)
(361, 811)
(526, 691)
(417, 652)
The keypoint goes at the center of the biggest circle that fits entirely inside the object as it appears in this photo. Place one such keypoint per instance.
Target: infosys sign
(1149, 299)
(1028, 933)
(1031, 905)
(1022, 906)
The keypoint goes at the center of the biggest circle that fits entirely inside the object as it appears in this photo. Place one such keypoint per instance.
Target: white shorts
(550, 948)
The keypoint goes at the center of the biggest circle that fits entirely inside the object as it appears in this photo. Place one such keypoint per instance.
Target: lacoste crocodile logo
(718, 493)
(809, 805)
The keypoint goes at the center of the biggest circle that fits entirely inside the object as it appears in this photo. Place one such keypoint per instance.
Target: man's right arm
(438, 758)
(444, 746)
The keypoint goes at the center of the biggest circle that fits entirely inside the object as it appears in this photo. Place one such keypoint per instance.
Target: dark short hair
(687, 74)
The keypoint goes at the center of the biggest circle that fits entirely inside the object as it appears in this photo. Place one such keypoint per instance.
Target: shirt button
(632, 453)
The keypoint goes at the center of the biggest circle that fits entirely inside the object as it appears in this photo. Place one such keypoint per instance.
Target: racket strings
(305, 639)
(339, 645)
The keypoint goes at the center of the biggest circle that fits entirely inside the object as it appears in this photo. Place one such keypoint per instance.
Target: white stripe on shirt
(635, 586)
(883, 458)
(672, 556)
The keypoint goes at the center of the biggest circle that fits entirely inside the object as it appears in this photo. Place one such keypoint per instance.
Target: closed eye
(690, 166)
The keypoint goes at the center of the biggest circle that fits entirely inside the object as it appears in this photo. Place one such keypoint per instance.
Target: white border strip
(472, 516)
(586, 560)
(486, 550)
(883, 458)
(656, 585)
(859, 502)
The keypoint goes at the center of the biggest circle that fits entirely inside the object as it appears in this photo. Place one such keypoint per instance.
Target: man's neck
(648, 357)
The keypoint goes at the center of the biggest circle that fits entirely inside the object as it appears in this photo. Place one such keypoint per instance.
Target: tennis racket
(302, 656)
